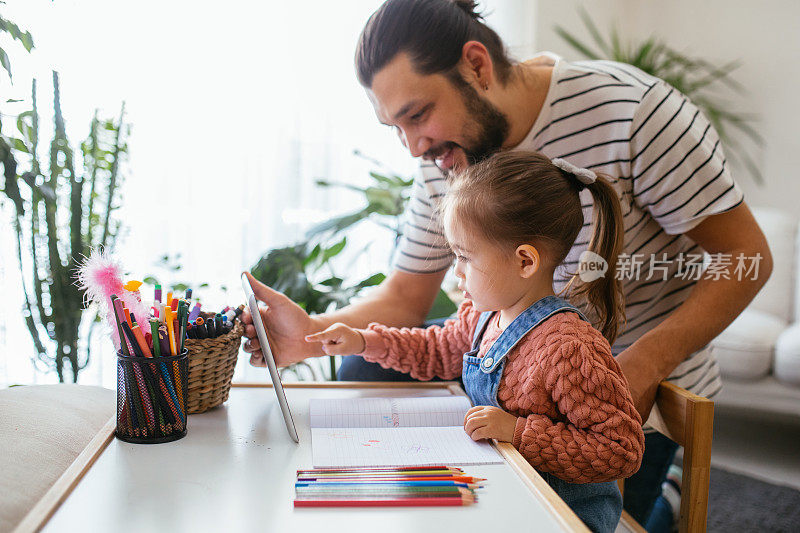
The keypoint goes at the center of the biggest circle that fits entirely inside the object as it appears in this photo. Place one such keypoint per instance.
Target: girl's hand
(483, 422)
(339, 339)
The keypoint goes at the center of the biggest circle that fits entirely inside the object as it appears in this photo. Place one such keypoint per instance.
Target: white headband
(584, 175)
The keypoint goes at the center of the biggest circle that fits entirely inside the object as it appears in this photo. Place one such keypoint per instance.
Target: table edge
(535, 483)
(45, 508)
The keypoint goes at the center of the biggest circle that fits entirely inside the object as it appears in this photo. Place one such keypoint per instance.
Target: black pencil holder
(151, 398)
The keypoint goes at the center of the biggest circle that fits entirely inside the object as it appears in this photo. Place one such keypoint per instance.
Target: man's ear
(528, 259)
(476, 64)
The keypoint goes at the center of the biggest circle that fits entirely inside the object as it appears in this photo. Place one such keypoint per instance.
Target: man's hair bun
(470, 7)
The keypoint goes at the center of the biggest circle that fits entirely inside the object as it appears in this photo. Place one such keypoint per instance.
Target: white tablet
(268, 358)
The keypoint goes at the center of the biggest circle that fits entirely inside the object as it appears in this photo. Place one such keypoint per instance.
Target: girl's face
(488, 276)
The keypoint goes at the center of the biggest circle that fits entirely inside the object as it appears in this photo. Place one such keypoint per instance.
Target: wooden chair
(687, 419)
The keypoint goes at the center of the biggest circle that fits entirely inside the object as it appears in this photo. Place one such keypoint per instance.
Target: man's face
(436, 118)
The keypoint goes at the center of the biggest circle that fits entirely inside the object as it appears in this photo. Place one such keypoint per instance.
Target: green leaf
(384, 202)
(179, 287)
(19, 144)
(333, 250)
(4, 62)
(443, 307)
(375, 279)
(380, 178)
(576, 44)
(203, 285)
(598, 39)
(332, 282)
(13, 30)
(643, 54)
(337, 224)
(150, 280)
(313, 255)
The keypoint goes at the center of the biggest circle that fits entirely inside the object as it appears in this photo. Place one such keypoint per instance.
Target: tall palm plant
(696, 78)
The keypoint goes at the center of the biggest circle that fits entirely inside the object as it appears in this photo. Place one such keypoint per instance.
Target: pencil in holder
(151, 398)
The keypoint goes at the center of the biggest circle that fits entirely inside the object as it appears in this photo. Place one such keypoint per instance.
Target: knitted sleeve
(599, 437)
(425, 353)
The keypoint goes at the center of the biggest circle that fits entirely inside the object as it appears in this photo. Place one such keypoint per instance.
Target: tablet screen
(268, 358)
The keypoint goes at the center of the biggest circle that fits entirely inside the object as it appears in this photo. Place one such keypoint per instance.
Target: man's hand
(643, 379)
(286, 324)
(483, 422)
(339, 339)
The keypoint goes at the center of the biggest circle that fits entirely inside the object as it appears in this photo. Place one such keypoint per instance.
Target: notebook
(394, 432)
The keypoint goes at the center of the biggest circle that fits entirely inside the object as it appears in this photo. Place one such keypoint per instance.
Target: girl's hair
(515, 198)
(431, 32)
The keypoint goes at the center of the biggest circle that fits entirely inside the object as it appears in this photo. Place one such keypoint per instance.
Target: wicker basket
(211, 366)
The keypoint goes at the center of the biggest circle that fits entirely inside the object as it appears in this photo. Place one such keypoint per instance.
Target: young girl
(539, 375)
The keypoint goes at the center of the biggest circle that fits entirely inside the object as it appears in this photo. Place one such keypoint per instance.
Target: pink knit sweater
(576, 417)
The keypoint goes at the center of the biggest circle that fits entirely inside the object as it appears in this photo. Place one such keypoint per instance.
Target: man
(440, 77)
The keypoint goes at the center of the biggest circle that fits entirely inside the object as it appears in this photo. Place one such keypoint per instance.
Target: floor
(759, 445)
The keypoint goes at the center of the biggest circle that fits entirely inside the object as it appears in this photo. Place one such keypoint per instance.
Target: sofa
(759, 353)
(43, 429)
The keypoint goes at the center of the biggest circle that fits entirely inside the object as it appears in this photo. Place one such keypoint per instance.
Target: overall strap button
(488, 362)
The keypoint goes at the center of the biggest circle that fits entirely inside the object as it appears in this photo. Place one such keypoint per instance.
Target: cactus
(59, 215)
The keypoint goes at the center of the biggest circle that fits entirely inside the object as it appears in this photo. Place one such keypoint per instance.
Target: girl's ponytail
(517, 197)
(604, 294)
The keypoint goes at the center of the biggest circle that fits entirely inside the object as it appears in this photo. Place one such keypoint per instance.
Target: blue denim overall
(599, 505)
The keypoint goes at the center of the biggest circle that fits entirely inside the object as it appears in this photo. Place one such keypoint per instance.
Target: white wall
(764, 35)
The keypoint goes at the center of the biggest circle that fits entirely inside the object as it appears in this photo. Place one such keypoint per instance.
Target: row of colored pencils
(154, 403)
(385, 487)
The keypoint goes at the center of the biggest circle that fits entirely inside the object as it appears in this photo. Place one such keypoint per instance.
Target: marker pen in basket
(212, 329)
(195, 312)
(218, 324)
(158, 293)
(188, 296)
(191, 332)
(200, 326)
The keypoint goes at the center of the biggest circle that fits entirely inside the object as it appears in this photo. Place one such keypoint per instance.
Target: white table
(235, 471)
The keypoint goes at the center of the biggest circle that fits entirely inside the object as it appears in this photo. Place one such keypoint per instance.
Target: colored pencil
(394, 484)
(388, 502)
(459, 479)
(370, 470)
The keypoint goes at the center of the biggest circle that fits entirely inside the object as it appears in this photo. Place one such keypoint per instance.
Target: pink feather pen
(100, 277)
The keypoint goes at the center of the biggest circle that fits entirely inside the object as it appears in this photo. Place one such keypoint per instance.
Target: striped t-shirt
(666, 163)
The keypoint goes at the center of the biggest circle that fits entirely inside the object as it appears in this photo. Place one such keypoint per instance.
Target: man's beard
(492, 125)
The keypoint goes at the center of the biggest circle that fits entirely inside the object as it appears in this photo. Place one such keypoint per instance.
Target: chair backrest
(688, 419)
